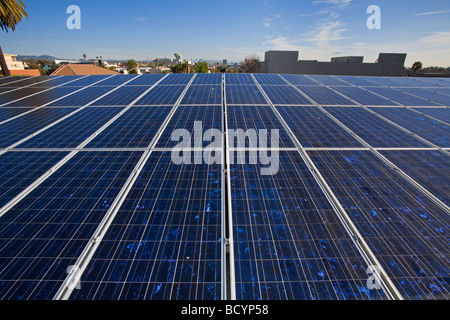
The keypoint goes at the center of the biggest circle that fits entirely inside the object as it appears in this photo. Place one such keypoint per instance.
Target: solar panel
(324, 96)
(91, 189)
(244, 94)
(289, 243)
(280, 95)
(375, 131)
(393, 217)
(45, 232)
(430, 129)
(257, 118)
(82, 125)
(164, 242)
(314, 129)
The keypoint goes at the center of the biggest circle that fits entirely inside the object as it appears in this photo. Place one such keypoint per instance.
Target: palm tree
(11, 13)
(416, 66)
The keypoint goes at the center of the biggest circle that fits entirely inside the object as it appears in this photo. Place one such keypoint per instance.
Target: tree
(202, 67)
(180, 68)
(416, 66)
(250, 64)
(132, 66)
(11, 13)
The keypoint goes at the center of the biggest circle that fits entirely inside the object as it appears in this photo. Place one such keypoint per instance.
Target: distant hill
(44, 57)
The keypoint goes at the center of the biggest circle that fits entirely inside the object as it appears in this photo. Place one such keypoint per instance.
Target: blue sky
(210, 29)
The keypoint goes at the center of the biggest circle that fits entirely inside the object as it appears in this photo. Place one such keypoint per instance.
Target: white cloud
(141, 19)
(437, 39)
(431, 13)
(334, 3)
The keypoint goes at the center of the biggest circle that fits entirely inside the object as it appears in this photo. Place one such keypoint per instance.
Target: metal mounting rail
(226, 194)
(363, 248)
(83, 261)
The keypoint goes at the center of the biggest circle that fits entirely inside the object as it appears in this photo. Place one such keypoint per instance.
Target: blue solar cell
(358, 81)
(269, 79)
(15, 94)
(404, 230)
(146, 80)
(161, 95)
(43, 97)
(429, 95)
(19, 169)
(82, 82)
(327, 80)
(116, 80)
(430, 129)
(364, 97)
(256, 118)
(324, 95)
(164, 243)
(429, 168)
(242, 79)
(45, 233)
(442, 114)
(203, 94)
(121, 96)
(185, 118)
(286, 235)
(83, 97)
(177, 79)
(401, 97)
(82, 125)
(20, 128)
(136, 128)
(374, 130)
(244, 94)
(314, 129)
(8, 113)
(214, 78)
(299, 80)
(285, 95)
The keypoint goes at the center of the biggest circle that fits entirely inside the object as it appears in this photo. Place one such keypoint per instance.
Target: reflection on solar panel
(405, 231)
(95, 205)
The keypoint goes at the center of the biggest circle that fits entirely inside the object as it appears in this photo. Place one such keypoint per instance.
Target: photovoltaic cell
(406, 232)
(364, 97)
(165, 241)
(17, 94)
(122, 96)
(429, 168)
(289, 243)
(401, 97)
(83, 97)
(82, 125)
(136, 128)
(177, 79)
(19, 169)
(185, 117)
(8, 113)
(442, 114)
(20, 128)
(146, 80)
(314, 129)
(43, 97)
(204, 94)
(285, 95)
(430, 129)
(327, 80)
(214, 78)
(241, 79)
(429, 95)
(244, 94)
(257, 118)
(375, 131)
(160, 95)
(299, 80)
(46, 232)
(324, 96)
(358, 81)
(269, 79)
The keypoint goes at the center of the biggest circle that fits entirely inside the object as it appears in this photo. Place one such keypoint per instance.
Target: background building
(286, 62)
(17, 68)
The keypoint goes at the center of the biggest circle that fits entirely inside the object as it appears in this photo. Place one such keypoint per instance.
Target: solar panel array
(93, 205)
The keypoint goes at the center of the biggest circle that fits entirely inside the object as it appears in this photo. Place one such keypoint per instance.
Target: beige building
(17, 68)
